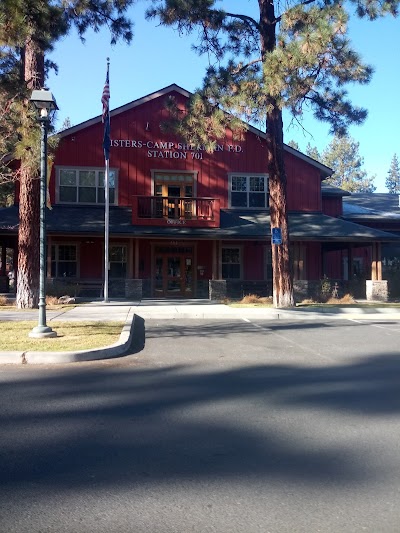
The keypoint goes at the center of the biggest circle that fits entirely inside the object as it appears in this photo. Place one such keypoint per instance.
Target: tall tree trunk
(29, 197)
(281, 266)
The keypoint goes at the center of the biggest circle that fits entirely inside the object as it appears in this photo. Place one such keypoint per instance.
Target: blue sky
(158, 56)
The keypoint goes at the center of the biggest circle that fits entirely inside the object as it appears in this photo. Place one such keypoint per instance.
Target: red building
(184, 222)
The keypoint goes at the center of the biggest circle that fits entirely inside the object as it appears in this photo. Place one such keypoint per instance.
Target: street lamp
(44, 103)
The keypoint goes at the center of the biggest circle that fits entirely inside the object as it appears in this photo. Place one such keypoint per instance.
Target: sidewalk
(166, 310)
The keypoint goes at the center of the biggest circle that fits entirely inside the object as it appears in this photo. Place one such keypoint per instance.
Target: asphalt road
(209, 426)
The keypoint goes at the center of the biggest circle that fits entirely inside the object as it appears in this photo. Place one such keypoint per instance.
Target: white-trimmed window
(118, 261)
(248, 191)
(231, 262)
(84, 185)
(64, 261)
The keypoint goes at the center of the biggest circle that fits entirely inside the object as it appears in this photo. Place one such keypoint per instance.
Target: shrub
(250, 299)
(308, 301)
(4, 300)
(325, 290)
(255, 299)
(51, 300)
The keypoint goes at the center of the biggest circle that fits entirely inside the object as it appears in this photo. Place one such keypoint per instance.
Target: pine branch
(249, 21)
(241, 69)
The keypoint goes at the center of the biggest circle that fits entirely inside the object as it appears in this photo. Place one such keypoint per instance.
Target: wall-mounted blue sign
(276, 236)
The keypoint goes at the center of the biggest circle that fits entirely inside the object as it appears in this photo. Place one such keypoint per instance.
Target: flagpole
(106, 229)
(106, 146)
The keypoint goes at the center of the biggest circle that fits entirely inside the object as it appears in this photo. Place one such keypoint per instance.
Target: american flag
(105, 100)
(105, 97)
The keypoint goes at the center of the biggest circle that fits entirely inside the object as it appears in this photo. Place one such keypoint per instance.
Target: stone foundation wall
(146, 288)
(305, 289)
(116, 288)
(217, 289)
(377, 290)
(202, 288)
(239, 289)
(134, 289)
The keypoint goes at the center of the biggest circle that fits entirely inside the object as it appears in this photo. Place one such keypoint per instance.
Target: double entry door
(173, 271)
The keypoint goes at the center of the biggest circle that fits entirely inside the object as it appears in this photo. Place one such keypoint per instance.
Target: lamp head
(44, 102)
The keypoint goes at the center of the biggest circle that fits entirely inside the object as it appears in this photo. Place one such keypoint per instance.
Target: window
(63, 261)
(173, 187)
(117, 256)
(231, 263)
(84, 186)
(248, 191)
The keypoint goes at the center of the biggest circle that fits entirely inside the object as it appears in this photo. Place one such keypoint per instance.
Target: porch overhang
(89, 220)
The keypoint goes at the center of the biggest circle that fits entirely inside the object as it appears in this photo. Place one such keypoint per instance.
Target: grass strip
(71, 336)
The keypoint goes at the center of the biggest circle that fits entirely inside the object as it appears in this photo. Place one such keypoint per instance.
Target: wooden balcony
(171, 211)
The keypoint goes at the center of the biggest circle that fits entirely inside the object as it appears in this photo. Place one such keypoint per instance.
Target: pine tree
(9, 122)
(29, 29)
(312, 151)
(293, 144)
(342, 155)
(288, 55)
(65, 125)
(393, 176)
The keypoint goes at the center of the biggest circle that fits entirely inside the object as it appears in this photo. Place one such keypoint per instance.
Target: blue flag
(105, 100)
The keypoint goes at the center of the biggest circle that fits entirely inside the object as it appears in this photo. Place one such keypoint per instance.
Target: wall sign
(276, 236)
(172, 150)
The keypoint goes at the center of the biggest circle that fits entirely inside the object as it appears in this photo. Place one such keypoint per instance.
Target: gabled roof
(325, 171)
(330, 190)
(372, 205)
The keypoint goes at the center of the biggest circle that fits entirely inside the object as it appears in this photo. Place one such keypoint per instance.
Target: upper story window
(172, 187)
(248, 190)
(84, 185)
(175, 185)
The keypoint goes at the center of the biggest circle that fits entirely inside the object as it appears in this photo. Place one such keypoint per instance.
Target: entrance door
(174, 193)
(173, 272)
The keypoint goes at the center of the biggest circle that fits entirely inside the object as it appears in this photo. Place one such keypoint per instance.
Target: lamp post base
(42, 332)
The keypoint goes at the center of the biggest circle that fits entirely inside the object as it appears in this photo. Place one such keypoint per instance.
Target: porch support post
(3, 260)
(373, 262)
(136, 272)
(376, 266)
(214, 260)
(130, 259)
(379, 260)
(350, 262)
(219, 252)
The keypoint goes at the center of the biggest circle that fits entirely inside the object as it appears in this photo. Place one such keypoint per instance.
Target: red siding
(204, 258)
(333, 264)
(303, 185)
(91, 259)
(253, 261)
(313, 267)
(134, 164)
(332, 206)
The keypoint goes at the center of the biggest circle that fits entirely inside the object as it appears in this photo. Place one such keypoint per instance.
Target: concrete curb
(235, 313)
(114, 350)
(179, 312)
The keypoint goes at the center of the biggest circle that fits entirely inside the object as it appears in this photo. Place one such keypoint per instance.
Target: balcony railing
(167, 210)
